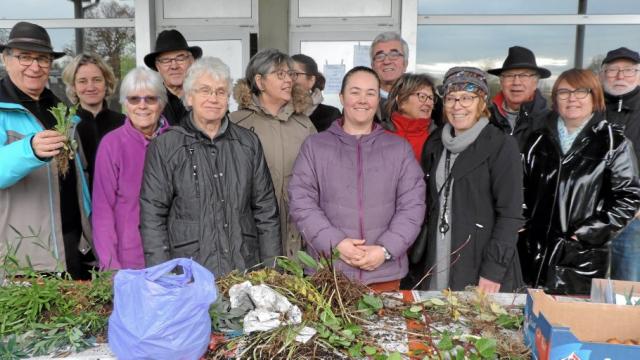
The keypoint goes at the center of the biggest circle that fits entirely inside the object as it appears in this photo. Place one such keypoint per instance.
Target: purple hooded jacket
(116, 197)
(368, 188)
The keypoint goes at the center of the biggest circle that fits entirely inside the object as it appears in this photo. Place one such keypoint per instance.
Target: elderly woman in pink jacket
(359, 189)
(118, 173)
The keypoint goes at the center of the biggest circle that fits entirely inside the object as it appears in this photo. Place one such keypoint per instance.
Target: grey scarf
(459, 143)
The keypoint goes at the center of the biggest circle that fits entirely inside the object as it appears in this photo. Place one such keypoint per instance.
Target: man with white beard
(620, 79)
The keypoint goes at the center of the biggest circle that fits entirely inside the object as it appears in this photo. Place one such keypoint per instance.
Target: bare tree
(114, 45)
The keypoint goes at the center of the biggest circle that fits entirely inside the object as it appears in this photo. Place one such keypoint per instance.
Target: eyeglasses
(281, 74)
(207, 91)
(298, 73)
(392, 55)
(423, 98)
(626, 72)
(465, 100)
(149, 100)
(180, 60)
(26, 60)
(565, 94)
(521, 76)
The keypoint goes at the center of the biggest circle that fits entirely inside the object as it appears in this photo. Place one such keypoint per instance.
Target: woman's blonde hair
(69, 75)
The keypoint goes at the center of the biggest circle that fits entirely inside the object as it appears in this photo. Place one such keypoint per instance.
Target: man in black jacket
(519, 107)
(620, 78)
(172, 58)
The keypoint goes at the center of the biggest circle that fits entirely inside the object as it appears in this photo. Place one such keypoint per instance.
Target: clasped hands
(354, 252)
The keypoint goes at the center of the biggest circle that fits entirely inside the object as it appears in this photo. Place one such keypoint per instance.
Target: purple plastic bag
(159, 315)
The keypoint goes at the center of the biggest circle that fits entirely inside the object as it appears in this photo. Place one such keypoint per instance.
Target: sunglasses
(149, 100)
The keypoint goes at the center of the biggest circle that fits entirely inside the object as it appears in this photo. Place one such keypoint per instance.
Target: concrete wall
(274, 25)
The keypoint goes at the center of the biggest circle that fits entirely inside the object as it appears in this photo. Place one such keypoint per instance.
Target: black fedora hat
(170, 40)
(30, 37)
(520, 58)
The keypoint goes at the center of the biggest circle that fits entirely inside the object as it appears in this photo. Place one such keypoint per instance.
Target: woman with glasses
(118, 173)
(206, 191)
(359, 189)
(410, 103)
(474, 195)
(271, 106)
(580, 187)
(311, 80)
(89, 83)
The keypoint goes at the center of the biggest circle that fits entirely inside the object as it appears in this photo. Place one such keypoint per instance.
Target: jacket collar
(472, 156)
(595, 124)
(9, 93)
(627, 102)
(337, 130)
(138, 136)
(188, 128)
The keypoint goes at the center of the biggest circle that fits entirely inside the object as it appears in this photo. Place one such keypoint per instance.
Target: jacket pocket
(249, 248)
(184, 238)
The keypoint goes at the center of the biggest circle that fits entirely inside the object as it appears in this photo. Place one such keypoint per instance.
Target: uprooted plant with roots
(64, 125)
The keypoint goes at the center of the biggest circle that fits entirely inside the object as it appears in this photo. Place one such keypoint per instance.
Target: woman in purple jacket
(359, 189)
(118, 172)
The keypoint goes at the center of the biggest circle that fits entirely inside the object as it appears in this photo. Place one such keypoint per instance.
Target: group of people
(415, 186)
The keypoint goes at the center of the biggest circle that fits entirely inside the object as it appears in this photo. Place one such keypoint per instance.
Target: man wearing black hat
(519, 107)
(172, 58)
(620, 78)
(49, 209)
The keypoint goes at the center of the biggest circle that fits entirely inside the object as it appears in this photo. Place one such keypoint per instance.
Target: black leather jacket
(590, 192)
(212, 200)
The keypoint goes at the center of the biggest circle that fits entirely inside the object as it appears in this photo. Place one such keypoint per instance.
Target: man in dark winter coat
(519, 107)
(620, 78)
(207, 192)
(172, 58)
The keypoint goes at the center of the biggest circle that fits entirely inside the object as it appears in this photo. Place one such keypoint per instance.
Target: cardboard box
(615, 292)
(561, 330)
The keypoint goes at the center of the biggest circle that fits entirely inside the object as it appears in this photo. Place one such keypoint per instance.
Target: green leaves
(486, 348)
(307, 260)
(370, 304)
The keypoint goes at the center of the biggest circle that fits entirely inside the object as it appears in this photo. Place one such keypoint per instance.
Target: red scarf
(415, 131)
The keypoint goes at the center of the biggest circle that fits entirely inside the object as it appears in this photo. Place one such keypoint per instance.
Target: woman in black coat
(310, 79)
(89, 82)
(580, 186)
(474, 196)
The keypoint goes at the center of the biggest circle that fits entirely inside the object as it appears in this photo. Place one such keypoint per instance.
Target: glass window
(599, 39)
(115, 45)
(230, 52)
(66, 9)
(441, 47)
(199, 9)
(345, 53)
(497, 7)
(613, 7)
(340, 8)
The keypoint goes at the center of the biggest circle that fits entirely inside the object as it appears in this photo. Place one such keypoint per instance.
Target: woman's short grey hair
(262, 63)
(390, 36)
(140, 79)
(70, 71)
(207, 65)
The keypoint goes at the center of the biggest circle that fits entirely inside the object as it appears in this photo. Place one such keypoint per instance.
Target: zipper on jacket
(619, 104)
(194, 167)
(360, 177)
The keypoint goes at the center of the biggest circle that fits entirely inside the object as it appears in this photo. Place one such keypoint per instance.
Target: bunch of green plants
(64, 124)
(43, 314)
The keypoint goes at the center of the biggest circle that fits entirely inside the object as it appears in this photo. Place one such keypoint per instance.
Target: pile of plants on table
(51, 314)
(349, 320)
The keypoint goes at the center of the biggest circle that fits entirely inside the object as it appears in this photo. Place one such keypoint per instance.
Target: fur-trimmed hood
(300, 100)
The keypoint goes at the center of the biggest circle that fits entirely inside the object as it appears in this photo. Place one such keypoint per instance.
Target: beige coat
(281, 137)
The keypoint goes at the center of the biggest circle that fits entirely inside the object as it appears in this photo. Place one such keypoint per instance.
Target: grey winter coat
(212, 200)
